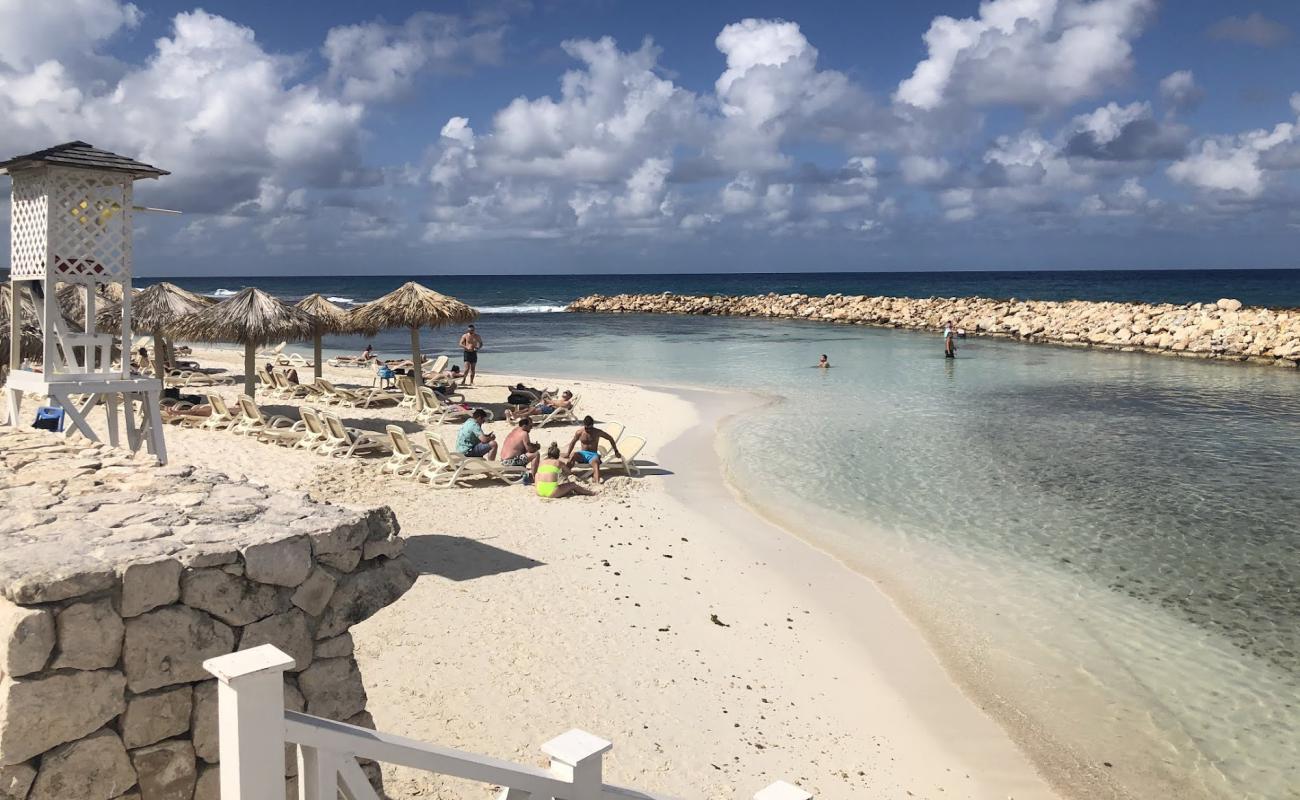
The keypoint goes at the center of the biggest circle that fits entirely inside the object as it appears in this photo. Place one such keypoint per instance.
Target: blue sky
(638, 137)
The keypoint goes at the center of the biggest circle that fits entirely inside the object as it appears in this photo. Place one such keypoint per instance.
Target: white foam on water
(538, 308)
(223, 293)
(343, 301)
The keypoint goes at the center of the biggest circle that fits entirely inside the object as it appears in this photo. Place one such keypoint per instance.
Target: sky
(601, 136)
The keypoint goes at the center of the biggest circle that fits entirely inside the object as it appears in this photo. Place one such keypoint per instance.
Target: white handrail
(254, 726)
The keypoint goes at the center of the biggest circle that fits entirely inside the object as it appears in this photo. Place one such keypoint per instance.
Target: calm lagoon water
(1104, 547)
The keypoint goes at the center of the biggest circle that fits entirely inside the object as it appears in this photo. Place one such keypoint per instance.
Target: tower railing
(254, 728)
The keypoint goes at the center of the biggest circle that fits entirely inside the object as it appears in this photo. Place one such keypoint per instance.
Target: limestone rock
(35, 713)
(16, 780)
(345, 561)
(315, 592)
(168, 645)
(231, 599)
(1228, 304)
(203, 725)
(388, 548)
(94, 768)
(167, 770)
(283, 563)
(90, 636)
(26, 638)
(155, 716)
(339, 647)
(290, 631)
(333, 688)
(362, 593)
(208, 785)
(148, 586)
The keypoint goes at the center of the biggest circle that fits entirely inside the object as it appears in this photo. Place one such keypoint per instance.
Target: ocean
(1103, 547)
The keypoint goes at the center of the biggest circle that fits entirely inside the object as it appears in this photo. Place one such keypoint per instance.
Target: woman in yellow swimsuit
(551, 477)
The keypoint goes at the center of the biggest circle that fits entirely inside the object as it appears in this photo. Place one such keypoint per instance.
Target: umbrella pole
(250, 369)
(159, 354)
(418, 370)
(315, 354)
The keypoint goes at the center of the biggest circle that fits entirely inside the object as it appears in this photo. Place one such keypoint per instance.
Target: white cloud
(376, 61)
(34, 33)
(645, 189)
(1032, 53)
(1179, 90)
(922, 170)
(1232, 164)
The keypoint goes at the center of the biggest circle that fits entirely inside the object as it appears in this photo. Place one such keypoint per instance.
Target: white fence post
(250, 703)
(576, 757)
(782, 791)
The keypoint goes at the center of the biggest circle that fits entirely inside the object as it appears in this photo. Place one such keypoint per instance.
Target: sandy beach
(718, 652)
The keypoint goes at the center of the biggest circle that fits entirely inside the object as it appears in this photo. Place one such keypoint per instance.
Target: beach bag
(49, 418)
(520, 399)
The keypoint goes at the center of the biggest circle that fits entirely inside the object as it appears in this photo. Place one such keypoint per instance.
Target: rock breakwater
(1222, 330)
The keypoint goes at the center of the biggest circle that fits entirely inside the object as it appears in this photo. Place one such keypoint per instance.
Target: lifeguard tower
(71, 224)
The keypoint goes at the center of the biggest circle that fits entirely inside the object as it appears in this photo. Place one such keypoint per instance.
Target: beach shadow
(460, 559)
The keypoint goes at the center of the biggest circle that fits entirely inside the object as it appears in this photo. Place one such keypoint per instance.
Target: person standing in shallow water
(949, 349)
(470, 343)
(823, 362)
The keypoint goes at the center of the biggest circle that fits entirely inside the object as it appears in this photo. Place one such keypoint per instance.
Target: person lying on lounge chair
(588, 437)
(544, 406)
(552, 476)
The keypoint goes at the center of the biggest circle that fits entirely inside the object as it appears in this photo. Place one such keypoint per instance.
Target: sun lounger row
(436, 463)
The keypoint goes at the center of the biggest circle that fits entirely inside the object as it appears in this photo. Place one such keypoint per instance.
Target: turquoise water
(1105, 546)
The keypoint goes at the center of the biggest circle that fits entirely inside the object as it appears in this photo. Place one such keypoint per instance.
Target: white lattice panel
(89, 225)
(27, 224)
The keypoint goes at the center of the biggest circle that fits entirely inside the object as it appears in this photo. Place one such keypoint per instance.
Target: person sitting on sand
(823, 362)
(472, 441)
(142, 361)
(551, 477)
(545, 406)
(518, 450)
(589, 436)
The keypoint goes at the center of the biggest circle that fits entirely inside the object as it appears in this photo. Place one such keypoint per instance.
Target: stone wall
(1222, 330)
(119, 578)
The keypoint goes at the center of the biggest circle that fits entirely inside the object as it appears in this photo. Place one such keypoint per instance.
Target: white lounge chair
(222, 418)
(407, 456)
(252, 422)
(313, 434)
(446, 470)
(273, 352)
(347, 442)
(630, 448)
(290, 390)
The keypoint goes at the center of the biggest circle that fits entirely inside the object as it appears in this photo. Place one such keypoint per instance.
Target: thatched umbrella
(156, 310)
(252, 318)
(329, 319)
(411, 306)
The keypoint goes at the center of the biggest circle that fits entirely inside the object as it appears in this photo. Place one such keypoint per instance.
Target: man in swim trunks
(518, 450)
(589, 436)
(470, 343)
(472, 442)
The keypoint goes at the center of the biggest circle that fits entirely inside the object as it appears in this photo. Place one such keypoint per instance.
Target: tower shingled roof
(80, 154)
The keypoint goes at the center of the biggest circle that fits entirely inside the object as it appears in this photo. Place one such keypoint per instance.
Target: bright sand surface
(718, 652)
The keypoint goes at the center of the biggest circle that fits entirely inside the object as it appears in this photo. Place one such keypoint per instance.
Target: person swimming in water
(823, 362)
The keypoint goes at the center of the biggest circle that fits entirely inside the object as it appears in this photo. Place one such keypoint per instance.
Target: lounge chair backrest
(407, 384)
(250, 409)
(281, 380)
(401, 444)
(311, 421)
(428, 398)
(326, 385)
(334, 427)
(439, 364)
(218, 404)
(438, 447)
(631, 447)
(614, 429)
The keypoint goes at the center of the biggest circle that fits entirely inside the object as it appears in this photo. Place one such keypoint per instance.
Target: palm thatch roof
(410, 306)
(156, 308)
(30, 330)
(250, 317)
(329, 317)
(72, 299)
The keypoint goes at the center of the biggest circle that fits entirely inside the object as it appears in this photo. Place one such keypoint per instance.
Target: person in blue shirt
(472, 442)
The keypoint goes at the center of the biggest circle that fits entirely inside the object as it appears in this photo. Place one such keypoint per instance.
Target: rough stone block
(168, 645)
(363, 593)
(315, 592)
(16, 780)
(90, 636)
(333, 688)
(155, 716)
(39, 713)
(388, 548)
(345, 561)
(345, 537)
(203, 725)
(208, 785)
(338, 647)
(94, 768)
(283, 563)
(229, 598)
(148, 586)
(290, 631)
(26, 638)
(166, 770)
